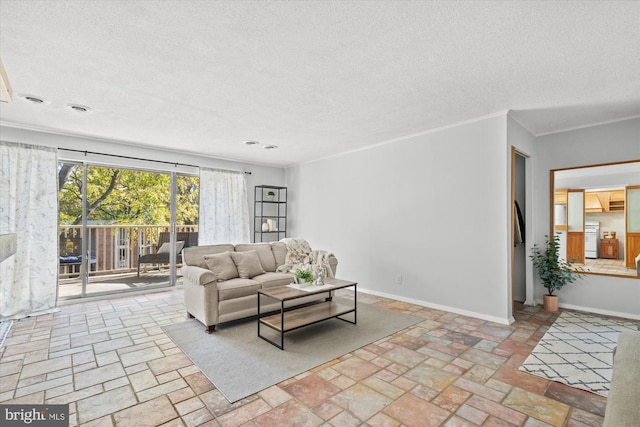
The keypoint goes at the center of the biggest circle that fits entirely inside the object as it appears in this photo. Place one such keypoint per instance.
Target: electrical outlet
(398, 279)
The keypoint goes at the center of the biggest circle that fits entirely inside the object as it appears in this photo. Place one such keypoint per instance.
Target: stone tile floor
(110, 361)
(609, 266)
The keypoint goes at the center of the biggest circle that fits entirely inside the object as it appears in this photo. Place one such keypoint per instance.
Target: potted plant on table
(304, 277)
(554, 271)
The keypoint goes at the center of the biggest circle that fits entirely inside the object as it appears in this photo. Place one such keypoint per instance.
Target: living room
(421, 215)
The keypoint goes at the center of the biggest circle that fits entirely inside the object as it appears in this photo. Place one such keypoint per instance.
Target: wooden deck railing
(111, 248)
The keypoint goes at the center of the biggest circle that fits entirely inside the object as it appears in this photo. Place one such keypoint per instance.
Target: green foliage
(305, 275)
(124, 196)
(553, 270)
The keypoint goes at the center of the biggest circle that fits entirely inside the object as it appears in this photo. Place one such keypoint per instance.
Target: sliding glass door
(71, 234)
(116, 230)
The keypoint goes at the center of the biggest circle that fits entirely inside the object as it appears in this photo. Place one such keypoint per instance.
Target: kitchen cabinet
(560, 197)
(609, 248)
(604, 201)
(616, 200)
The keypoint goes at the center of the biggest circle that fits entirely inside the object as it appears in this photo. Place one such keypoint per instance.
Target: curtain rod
(135, 158)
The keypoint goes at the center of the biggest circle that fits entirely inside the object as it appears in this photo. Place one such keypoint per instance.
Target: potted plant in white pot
(303, 277)
(554, 271)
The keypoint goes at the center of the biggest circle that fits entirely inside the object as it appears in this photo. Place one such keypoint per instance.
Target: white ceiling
(315, 78)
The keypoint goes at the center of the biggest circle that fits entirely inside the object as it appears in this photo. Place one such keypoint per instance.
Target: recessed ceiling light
(79, 108)
(270, 147)
(251, 143)
(32, 99)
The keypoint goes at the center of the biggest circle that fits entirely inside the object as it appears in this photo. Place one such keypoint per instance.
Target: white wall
(259, 174)
(432, 208)
(614, 142)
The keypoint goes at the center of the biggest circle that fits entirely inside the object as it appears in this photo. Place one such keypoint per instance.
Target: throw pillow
(164, 249)
(248, 264)
(222, 266)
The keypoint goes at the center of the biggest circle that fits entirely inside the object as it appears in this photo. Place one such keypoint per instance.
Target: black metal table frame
(283, 310)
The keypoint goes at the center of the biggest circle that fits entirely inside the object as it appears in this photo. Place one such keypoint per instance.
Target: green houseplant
(303, 276)
(554, 271)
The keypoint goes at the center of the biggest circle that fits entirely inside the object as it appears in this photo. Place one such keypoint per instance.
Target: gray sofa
(623, 406)
(221, 281)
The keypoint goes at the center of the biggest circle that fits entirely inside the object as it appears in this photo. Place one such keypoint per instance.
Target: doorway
(518, 230)
(118, 227)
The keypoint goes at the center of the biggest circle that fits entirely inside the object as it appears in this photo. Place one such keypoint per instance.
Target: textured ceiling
(315, 78)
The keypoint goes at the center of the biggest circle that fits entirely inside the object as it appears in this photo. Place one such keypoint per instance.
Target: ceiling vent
(32, 99)
(79, 108)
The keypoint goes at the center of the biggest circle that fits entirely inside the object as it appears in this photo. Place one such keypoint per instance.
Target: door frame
(632, 239)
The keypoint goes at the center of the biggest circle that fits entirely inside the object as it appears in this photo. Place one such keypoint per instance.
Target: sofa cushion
(267, 260)
(279, 250)
(237, 288)
(194, 255)
(269, 280)
(222, 265)
(622, 403)
(247, 263)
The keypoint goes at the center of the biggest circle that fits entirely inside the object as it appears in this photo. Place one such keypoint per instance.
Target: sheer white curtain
(29, 208)
(224, 207)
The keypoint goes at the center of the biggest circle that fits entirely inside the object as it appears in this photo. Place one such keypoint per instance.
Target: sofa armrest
(622, 403)
(201, 295)
(198, 275)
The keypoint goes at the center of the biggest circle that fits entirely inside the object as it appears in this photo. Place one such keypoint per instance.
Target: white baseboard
(502, 321)
(596, 310)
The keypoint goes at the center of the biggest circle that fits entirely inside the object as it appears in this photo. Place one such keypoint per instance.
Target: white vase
(265, 227)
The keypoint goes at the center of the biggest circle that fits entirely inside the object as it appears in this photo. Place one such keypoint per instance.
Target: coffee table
(298, 316)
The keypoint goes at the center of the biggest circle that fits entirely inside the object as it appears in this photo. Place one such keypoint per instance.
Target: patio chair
(184, 239)
(71, 254)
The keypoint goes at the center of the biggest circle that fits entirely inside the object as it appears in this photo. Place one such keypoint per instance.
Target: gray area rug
(577, 350)
(240, 363)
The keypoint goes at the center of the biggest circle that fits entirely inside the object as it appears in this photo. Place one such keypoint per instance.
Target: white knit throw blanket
(300, 256)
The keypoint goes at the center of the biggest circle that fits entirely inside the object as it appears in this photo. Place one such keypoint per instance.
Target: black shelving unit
(269, 213)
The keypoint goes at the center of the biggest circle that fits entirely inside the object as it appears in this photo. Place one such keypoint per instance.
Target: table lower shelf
(303, 316)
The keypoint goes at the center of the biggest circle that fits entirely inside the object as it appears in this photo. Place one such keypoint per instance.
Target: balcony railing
(111, 249)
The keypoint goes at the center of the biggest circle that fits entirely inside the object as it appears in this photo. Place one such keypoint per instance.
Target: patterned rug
(577, 350)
